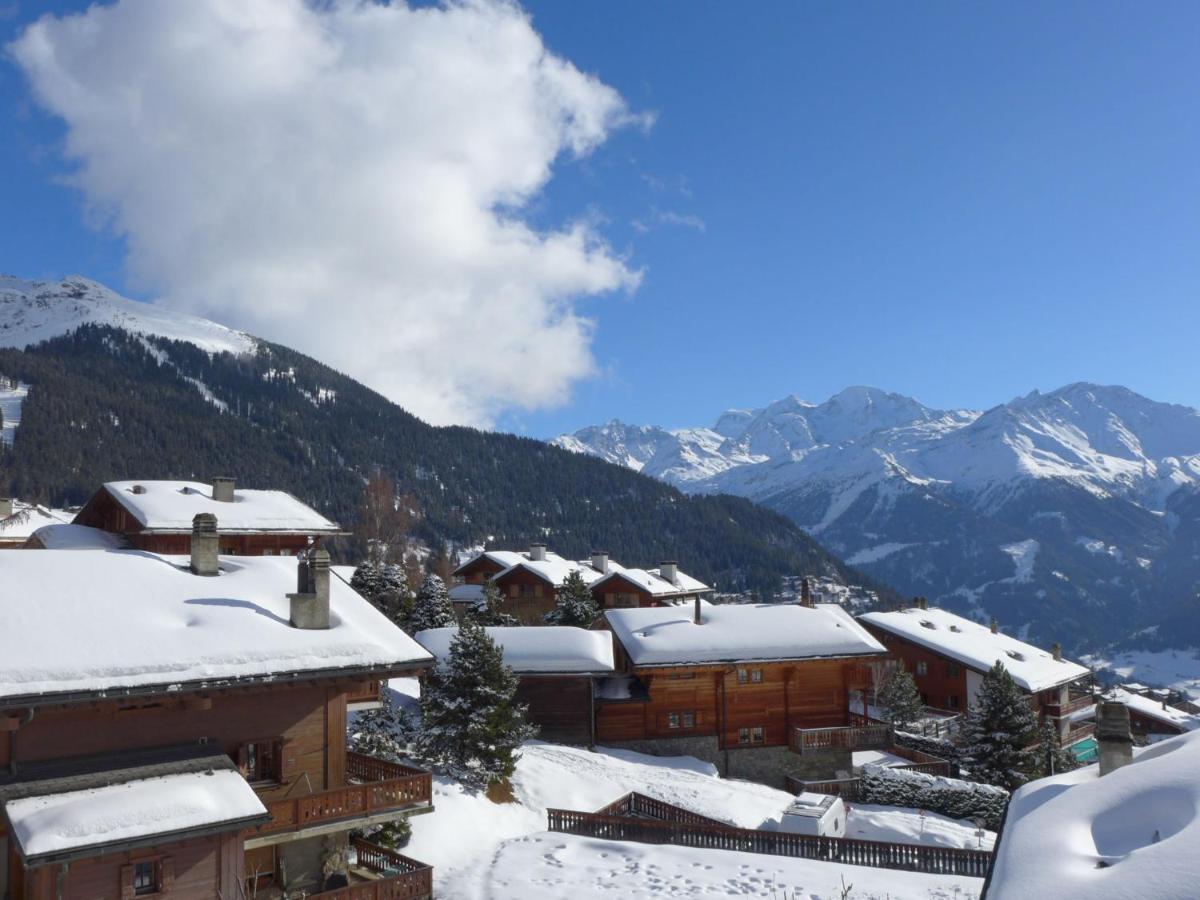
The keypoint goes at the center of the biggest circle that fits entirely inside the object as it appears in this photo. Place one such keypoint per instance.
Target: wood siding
(561, 706)
(540, 597)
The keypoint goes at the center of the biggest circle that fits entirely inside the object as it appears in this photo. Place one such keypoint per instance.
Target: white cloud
(347, 178)
(658, 218)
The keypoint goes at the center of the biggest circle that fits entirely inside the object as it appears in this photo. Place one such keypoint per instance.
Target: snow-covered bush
(948, 796)
(938, 747)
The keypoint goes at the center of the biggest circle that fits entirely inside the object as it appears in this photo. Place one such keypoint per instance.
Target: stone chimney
(806, 592)
(922, 602)
(222, 490)
(1056, 651)
(668, 570)
(696, 619)
(1113, 736)
(310, 603)
(995, 626)
(6, 507)
(600, 561)
(537, 552)
(205, 544)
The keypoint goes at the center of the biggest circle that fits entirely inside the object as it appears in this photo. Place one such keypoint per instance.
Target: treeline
(107, 405)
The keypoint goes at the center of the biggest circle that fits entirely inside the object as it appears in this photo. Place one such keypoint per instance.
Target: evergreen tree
(471, 724)
(1051, 757)
(492, 614)
(432, 607)
(367, 580)
(386, 587)
(998, 730)
(575, 605)
(899, 699)
(385, 733)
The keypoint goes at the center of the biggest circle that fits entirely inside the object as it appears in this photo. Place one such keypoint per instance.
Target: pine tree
(491, 614)
(1051, 757)
(367, 580)
(471, 724)
(386, 587)
(575, 605)
(385, 733)
(899, 699)
(997, 732)
(432, 607)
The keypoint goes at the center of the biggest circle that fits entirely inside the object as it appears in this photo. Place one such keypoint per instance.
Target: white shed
(816, 814)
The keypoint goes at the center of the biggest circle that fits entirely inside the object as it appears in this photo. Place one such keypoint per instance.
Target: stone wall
(765, 765)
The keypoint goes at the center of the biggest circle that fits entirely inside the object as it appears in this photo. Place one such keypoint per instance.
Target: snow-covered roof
(556, 649)
(169, 506)
(77, 537)
(976, 647)
(653, 583)
(52, 824)
(503, 558)
(467, 593)
(1130, 835)
(96, 620)
(27, 518)
(1153, 709)
(666, 635)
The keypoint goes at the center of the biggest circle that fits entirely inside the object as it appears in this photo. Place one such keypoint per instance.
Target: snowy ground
(1179, 669)
(11, 399)
(485, 850)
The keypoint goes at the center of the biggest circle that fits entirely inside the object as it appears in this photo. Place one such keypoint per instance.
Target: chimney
(696, 620)
(1056, 651)
(995, 626)
(806, 593)
(537, 552)
(600, 561)
(310, 603)
(668, 571)
(6, 507)
(1112, 735)
(205, 543)
(222, 490)
(922, 603)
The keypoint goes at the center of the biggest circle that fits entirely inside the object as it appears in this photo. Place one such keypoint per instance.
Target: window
(672, 720)
(743, 676)
(622, 600)
(756, 676)
(689, 720)
(743, 735)
(953, 670)
(953, 701)
(261, 760)
(145, 878)
(685, 719)
(752, 676)
(751, 735)
(922, 668)
(526, 591)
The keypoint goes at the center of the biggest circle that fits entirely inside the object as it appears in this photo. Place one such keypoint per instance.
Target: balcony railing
(380, 787)
(394, 876)
(863, 737)
(1057, 710)
(1079, 732)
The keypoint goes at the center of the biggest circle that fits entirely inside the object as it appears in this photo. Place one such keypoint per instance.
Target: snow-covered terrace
(553, 649)
(668, 636)
(111, 621)
(1130, 835)
(977, 646)
(27, 518)
(170, 506)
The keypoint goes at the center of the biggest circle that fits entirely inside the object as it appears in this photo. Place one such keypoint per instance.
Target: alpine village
(329, 572)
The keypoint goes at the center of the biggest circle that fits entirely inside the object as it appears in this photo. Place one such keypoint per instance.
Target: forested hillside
(106, 404)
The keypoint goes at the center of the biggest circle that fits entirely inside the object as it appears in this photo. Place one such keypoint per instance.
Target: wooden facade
(744, 705)
(619, 592)
(561, 706)
(527, 596)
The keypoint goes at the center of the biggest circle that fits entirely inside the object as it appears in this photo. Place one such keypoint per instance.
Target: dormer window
(1013, 654)
(925, 623)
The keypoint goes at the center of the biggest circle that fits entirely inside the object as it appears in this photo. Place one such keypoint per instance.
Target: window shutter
(126, 882)
(166, 874)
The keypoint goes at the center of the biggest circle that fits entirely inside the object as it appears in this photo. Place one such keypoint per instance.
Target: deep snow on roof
(550, 648)
(27, 518)
(652, 582)
(96, 620)
(555, 569)
(171, 505)
(1141, 821)
(1153, 709)
(666, 635)
(76, 820)
(976, 647)
(77, 537)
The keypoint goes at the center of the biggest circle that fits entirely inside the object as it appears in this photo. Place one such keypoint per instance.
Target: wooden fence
(862, 737)
(399, 878)
(639, 806)
(880, 854)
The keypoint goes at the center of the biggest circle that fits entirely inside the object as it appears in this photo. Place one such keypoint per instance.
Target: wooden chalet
(622, 588)
(176, 725)
(948, 656)
(157, 516)
(717, 680)
(557, 668)
(1152, 718)
(20, 521)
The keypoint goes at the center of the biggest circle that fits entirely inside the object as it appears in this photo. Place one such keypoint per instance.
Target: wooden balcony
(1079, 732)
(862, 737)
(368, 692)
(383, 874)
(1058, 710)
(377, 787)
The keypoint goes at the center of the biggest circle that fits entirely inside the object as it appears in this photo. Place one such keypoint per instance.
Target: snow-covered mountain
(1055, 507)
(35, 311)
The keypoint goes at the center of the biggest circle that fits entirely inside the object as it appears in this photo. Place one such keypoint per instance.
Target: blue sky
(961, 202)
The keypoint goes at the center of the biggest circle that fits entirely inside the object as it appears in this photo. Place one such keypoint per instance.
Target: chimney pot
(6, 506)
(600, 561)
(222, 489)
(310, 603)
(668, 570)
(922, 603)
(1113, 736)
(806, 593)
(206, 542)
(696, 619)
(1056, 651)
(537, 552)
(995, 626)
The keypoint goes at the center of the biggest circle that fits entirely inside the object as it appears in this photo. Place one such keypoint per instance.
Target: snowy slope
(35, 311)
(12, 395)
(1042, 511)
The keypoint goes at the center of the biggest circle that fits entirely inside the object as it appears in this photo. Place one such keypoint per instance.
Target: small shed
(817, 814)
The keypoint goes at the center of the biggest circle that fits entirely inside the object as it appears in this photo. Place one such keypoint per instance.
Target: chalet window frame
(160, 877)
(922, 667)
(752, 734)
(683, 720)
(953, 670)
(255, 774)
(746, 675)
